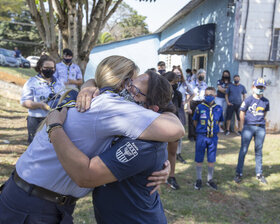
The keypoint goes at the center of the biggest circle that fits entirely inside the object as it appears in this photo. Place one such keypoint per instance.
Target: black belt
(43, 193)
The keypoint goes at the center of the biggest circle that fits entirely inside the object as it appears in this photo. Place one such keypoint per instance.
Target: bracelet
(50, 131)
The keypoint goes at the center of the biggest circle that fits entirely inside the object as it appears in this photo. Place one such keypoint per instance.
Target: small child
(206, 119)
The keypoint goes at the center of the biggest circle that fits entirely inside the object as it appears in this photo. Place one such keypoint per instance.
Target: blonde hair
(113, 71)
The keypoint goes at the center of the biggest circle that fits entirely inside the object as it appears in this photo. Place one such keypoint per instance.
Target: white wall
(142, 50)
(258, 32)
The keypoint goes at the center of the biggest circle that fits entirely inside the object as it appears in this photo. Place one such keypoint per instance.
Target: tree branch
(52, 26)
(46, 24)
(111, 12)
(37, 18)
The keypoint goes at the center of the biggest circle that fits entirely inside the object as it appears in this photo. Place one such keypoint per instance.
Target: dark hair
(41, 61)
(67, 52)
(170, 76)
(179, 68)
(236, 76)
(152, 69)
(161, 63)
(227, 72)
(210, 88)
(194, 70)
(159, 92)
(188, 70)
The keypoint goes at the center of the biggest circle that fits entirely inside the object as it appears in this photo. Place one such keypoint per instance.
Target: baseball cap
(259, 82)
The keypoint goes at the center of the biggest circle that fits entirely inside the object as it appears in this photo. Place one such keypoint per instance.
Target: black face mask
(175, 86)
(67, 61)
(236, 81)
(200, 78)
(48, 73)
(161, 71)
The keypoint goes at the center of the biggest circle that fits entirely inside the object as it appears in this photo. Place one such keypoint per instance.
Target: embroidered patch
(202, 122)
(203, 116)
(127, 152)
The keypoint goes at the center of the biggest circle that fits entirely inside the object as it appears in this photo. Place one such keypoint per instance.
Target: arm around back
(166, 128)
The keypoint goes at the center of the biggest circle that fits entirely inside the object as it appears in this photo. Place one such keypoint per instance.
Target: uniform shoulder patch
(127, 152)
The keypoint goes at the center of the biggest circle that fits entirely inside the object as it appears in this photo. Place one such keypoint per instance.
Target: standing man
(17, 52)
(67, 72)
(252, 114)
(161, 67)
(235, 95)
(198, 86)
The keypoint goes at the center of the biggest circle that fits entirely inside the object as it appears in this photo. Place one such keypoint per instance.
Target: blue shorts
(202, 143)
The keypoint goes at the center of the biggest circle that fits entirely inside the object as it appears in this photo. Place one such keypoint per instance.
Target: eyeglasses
(136, 91)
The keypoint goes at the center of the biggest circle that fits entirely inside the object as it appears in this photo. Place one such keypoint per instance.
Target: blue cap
(259, 82)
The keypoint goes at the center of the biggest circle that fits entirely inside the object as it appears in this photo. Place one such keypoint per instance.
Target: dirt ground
(12, 79)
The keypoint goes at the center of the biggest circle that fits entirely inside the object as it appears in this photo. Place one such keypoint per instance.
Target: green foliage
(10, 7)
(105, 37)
(15, 33)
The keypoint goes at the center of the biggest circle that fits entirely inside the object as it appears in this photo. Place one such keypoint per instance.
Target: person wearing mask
(198, 86)
(39, 188)
(187, 94)
(172, 146)
(222, 85)
(206, 120)
(235, 95)
(127, 163)
(68, 72)
(189, 75)
(252, 120)
(38, 94)
(161, 67)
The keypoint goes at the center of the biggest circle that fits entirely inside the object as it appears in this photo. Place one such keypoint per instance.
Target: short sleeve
(129, 157)
(267, 106)
(245, 104)
(120, 117)
(189, 89)
(244, 90)
(27, 92)
(79, 74)
(196, 114)
(219, 83)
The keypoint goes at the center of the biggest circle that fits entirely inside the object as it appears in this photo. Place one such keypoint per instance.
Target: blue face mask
(258, 91)
(208, 99)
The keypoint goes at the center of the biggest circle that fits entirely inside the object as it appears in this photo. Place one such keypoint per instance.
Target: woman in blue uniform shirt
(38, 94)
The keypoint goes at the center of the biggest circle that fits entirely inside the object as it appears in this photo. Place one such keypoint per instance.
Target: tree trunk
(83, 63)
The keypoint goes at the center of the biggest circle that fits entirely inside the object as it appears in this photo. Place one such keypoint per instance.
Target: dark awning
(199, 38)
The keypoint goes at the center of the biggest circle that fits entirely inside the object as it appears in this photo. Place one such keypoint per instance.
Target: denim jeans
(249, 131)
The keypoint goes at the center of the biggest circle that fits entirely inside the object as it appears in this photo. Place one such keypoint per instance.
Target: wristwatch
(51, 126)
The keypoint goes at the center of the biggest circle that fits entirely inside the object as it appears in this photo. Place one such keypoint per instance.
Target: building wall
(255, 29)
(142, 50)
(210, 11)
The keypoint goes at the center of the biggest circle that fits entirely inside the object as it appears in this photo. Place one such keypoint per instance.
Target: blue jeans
(247, 133)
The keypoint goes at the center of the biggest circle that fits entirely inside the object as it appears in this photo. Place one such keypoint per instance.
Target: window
(199, 61)
(275, 54)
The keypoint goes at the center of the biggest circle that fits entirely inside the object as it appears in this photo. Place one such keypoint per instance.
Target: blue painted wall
(210, 11)
(142, 50)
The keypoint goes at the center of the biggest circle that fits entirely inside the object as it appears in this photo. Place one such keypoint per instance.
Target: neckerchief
(210, 121)
(50, 85)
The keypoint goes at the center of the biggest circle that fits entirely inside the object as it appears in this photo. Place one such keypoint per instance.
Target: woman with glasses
(38, 94)
(40, 189)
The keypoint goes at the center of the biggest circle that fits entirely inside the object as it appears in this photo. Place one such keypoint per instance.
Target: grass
(248, 202)
(24, 73)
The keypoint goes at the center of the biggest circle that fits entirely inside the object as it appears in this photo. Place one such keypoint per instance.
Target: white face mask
(258, 91)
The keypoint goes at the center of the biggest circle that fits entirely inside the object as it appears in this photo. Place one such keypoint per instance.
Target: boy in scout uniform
(206, 120)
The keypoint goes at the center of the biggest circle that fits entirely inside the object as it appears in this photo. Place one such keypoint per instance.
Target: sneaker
(171, 181)
(238, 178)
(212, 184)
(227, 133)
(261, 179)
(180, 159)
(222, 130)
(198, 184)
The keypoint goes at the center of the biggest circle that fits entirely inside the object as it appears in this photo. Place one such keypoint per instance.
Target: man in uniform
(252, 115)
(67, 72)
(206, 119)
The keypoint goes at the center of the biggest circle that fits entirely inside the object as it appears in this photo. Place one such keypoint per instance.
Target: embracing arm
(166, 128)
(83, 171)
